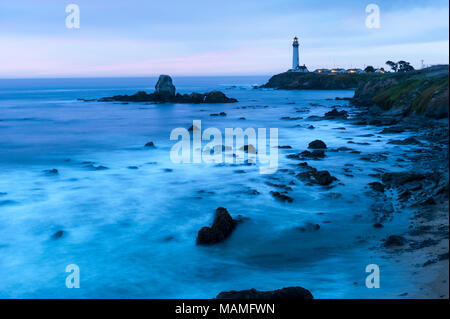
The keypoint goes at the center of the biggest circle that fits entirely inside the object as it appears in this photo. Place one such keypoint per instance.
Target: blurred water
(132, 231)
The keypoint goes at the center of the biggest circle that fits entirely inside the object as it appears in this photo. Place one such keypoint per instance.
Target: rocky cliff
(314, 81)
(419, 92)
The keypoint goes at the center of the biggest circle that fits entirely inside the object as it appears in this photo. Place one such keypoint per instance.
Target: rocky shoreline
(424, 188)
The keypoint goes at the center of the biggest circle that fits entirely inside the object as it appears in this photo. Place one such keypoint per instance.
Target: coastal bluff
(419, 92)
(315, 81)
(165, 92)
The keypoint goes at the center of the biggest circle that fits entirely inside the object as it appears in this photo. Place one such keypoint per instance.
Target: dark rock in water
(401, 178)
(58, 234)
(165, 93)
(217, 97)
(395, 240)
(378, 225)
(317, 144)
(221, 228)
(388, 130)
(323, 177)
(377, 186)
(164, 87)
(406, 141)
(150, 144)
(132, 167)
(335, 114)
(52, 171)
(314, 154)
(218, 114)
(282, 197)
(96, 168)
(284, 147)
(285, 293)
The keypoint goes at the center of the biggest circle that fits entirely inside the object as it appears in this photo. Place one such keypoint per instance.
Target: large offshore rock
(164, 87)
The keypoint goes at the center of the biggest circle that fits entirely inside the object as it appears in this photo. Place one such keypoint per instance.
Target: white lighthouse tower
(295, 63)
(295, 59)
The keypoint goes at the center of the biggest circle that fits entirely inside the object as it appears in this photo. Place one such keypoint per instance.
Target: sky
(210, 37)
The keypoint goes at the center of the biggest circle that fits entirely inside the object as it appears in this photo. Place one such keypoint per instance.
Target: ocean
(130, 215)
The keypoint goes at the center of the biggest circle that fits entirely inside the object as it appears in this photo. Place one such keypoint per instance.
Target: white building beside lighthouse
(296, 67)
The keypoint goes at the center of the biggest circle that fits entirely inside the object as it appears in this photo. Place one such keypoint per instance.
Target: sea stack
(164, 87)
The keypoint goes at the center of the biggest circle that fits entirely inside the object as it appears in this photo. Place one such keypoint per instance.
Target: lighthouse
(296, 67)
(295, 63)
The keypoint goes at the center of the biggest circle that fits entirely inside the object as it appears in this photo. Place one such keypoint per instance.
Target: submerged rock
(52, 171)
(395, 240)
(284, 293)
(282, 197)
(58, 234)
(221, 228)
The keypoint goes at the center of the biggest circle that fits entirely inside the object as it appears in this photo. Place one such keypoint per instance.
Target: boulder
(285, 293)
(221, 228)
(217, 97)
(395, 240)
(323, 177)
(317, 144)
(164, 87)
(335, 114)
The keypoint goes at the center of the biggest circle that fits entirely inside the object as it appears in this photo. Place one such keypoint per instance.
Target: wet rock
(285, 293)
(221, 228)
(335, 114)
(406, 141)
(282, 197)
(393, 129)
(132, 167)
(314, 154)
(217, 97)
(395, 240)
(150, 145)
(58, 234)
(377, 186)
(378, 225)
(317, 144)
(401, 178)
(323, 178)
(284, 147)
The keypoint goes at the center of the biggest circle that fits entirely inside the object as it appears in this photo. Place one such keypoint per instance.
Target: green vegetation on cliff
(418, 92)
